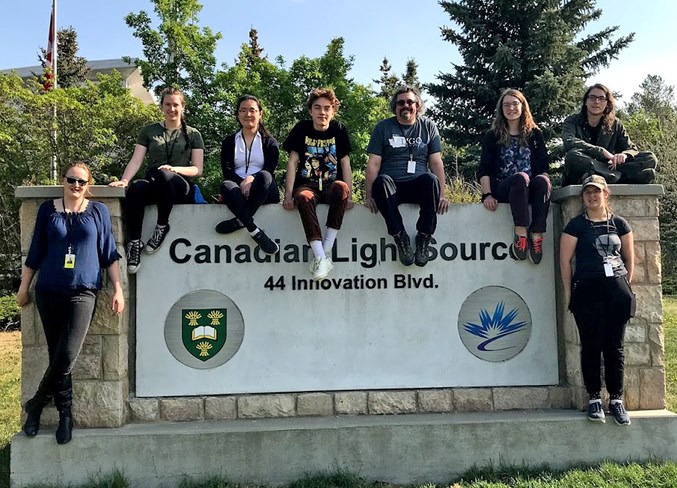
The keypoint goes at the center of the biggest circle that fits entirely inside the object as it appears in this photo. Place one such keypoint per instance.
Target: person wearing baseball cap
(599, 293)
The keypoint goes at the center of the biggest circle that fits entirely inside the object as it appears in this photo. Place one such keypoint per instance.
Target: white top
(248, 160)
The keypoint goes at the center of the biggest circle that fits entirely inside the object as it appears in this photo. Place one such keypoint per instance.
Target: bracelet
(486, 195)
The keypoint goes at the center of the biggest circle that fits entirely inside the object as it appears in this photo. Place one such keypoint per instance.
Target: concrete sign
(217, 316)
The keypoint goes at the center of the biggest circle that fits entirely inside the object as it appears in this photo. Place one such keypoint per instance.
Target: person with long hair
(599, 293)
(514, 170)
(175, 155)
(596, 142)
(319, 171)
(248, 161)
(72, 241)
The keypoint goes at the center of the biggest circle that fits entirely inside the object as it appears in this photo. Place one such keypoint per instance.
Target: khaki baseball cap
(594, 180)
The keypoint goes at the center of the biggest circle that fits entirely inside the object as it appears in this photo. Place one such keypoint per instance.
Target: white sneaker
(321, 268)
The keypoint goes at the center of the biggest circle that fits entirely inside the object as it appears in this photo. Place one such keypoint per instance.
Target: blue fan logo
(494, 327)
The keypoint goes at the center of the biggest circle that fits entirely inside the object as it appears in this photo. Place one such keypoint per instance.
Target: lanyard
(598, 236)
(170, 150)
(247, 152)
(410, 146)
(71, 218)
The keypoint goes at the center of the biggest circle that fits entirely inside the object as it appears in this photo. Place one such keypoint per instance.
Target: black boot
(63, 399)
(64, 431)
(33, 409)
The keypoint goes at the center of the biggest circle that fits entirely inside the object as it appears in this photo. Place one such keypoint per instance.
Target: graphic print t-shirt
(320, 152)
(597, 242)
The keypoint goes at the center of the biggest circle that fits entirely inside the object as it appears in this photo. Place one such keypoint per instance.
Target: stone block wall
(103, 387)
(644, 348)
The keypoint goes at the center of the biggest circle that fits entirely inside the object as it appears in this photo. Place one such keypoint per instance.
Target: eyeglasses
(593, 98)
(402, 103)
(74, 181)
(244, 111)
(512, 104)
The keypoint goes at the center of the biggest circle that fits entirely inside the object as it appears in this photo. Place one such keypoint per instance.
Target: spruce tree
(72, 69)
(537, 46)
(388, 81)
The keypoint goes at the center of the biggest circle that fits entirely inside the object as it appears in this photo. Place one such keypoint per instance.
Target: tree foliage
(72, 69)
(537, 46)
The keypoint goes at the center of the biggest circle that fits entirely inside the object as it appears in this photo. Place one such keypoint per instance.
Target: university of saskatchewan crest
(204, 331)
(494, 323)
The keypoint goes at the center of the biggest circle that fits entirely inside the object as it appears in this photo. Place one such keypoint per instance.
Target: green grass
(650, 475)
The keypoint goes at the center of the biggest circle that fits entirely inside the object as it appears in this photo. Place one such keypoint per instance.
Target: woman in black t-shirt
(599, 294)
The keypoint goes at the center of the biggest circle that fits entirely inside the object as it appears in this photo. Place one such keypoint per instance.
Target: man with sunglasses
(405, 166)
(595, 142)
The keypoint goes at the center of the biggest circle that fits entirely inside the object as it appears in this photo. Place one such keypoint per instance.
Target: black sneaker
(266, 244)
(133, 254)
(535, 249)
(421, 255)
(404, 248)
(228, 226)
(519, 247)
(595, 411)
(620, 414)
(156, 239)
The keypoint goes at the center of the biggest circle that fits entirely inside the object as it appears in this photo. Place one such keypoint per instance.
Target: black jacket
(271, 154)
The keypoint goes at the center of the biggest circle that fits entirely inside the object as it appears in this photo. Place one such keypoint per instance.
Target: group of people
(73, 241)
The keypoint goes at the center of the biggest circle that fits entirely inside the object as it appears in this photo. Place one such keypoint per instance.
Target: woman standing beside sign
(514, 169)
(71, 242)
(248, 161)
(175, 153)
(599, 295)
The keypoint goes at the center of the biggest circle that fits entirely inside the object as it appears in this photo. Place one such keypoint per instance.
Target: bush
(10, 313)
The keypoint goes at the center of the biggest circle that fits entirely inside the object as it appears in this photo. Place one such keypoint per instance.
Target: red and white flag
(50, 69)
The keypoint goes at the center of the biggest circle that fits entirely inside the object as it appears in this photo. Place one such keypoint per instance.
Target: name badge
(411, 166)
(69, 261)
(608, 269)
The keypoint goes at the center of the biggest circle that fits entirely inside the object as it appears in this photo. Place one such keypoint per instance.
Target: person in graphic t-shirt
(319, 171)
(405, 166)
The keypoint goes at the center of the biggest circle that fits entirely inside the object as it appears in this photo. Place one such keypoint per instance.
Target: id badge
(411, 166)
(608, 269)
(69, 261)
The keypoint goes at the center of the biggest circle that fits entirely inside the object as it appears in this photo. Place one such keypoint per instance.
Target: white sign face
(215, 315)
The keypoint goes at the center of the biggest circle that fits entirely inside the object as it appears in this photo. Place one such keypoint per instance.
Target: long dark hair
(172, 90)
(262, 128)
(609, 113)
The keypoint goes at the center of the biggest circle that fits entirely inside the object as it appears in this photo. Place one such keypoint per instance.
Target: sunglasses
(402, 103)
(74, 181)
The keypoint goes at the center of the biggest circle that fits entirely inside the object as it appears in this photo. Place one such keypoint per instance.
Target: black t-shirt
(598, 241)
(320, 152)
(594, 132)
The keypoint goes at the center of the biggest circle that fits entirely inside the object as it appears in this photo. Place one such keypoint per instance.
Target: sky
(371, 29)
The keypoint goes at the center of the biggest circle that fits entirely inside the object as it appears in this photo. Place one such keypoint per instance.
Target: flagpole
(54, 85)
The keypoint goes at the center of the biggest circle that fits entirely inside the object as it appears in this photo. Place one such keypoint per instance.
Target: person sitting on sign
(315, 143)
(514, 170)
(596, 142)
(72, 241)
(405, 166)
(175, 153)
(248, 161)
(599, 295)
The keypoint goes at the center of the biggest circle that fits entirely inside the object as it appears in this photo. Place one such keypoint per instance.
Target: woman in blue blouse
(71, 242)
(248, 161)
(514, 169)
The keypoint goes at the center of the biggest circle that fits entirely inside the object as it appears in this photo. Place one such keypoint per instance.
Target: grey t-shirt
(395, 143)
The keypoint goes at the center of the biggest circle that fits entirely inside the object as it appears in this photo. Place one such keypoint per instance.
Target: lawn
(608, 474)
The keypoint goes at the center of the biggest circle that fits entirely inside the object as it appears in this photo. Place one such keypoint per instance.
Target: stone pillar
(101, 384)
(644, 347)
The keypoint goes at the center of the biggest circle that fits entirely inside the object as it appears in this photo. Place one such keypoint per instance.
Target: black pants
(263, 190)
(602, 308)
(65, 320)
(161, 187)
(578, 164)
(520, 191)
(423, 190)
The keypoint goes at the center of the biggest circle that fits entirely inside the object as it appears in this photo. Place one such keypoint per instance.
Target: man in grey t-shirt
(405, 166)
